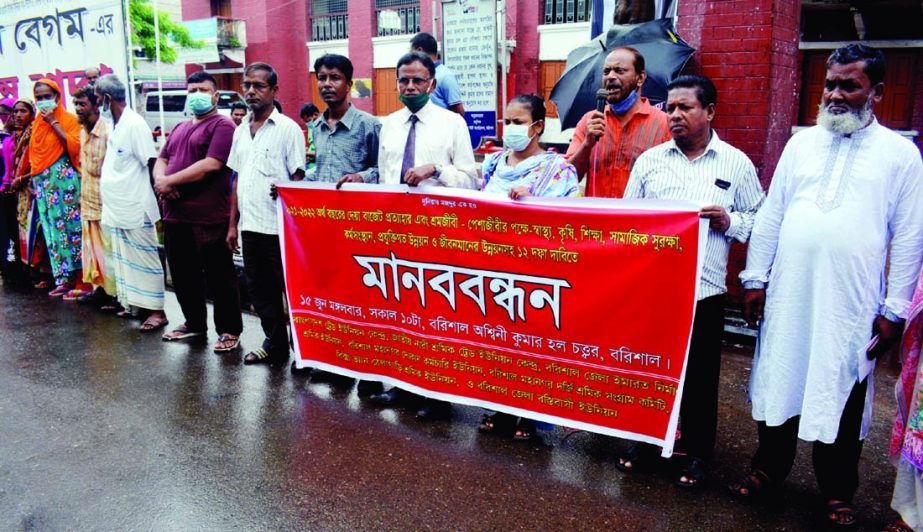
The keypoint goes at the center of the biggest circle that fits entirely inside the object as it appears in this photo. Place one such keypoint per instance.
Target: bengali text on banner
(575, 312)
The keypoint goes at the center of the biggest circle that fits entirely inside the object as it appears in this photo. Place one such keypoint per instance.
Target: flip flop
(59, 291)
(225, 338)
(153, 323)
(180, 333)
(841, 514)
(75, 294)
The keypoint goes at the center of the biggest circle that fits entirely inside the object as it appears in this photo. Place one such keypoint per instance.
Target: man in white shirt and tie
(424, 143)
(428, 145)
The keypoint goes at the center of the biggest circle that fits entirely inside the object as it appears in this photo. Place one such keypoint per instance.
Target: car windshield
(225, 99)
(172, 103)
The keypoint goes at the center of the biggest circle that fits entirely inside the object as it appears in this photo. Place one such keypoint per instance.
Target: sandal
(125, 314)
(525, 430)
(180, 333)
(692, 475)
(60, 290)
(841, 513)
(897, 526)
(112, 308)
(43, 285)
(638, 457)
(226, 343)
(752, 485)
(497, 423)
(75, 294)
(261, 356)
(154, 322)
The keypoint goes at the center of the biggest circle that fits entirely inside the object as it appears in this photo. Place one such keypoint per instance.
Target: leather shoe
(434, 410)
(369, 388)
(301, 372)
(388, 398)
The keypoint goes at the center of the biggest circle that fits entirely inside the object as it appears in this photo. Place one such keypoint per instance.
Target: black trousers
(698, 412)
(836, 465)
(201, 264)
(9, 234)
(266, 286)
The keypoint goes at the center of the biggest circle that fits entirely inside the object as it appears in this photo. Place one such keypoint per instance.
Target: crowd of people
(835, 247)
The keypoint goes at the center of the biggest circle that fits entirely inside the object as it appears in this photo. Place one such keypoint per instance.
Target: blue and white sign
(470, 49)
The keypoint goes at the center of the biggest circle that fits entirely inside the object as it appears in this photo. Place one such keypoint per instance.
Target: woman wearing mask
(521, 170)
(54, 154)
(524, 168)
(32, 250)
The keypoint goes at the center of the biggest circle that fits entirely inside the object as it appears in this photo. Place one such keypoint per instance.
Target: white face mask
(105, 113)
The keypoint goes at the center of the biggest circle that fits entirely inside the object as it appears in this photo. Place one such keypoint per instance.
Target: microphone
(602, 99)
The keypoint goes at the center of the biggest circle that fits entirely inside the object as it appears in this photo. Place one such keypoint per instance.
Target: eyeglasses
(258, 86)
(403, 82)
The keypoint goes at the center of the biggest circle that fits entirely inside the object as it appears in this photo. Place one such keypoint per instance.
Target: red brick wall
(523, 17)
(287, 55)
(749, 48)
(362, 27)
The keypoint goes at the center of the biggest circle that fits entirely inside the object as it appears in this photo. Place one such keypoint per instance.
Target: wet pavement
(103, 428)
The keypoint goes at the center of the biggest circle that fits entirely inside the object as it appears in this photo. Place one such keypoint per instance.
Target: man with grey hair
(844, 193)
(129, 206)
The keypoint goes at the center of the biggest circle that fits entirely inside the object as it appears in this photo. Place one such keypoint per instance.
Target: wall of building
(750, 49)
(277, 33)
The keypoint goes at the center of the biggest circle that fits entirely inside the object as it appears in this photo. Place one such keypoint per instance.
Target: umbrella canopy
(664, 56)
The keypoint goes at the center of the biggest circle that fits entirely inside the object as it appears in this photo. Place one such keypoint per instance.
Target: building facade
(765, 56)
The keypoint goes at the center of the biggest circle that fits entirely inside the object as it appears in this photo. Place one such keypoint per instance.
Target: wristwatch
(438, 170)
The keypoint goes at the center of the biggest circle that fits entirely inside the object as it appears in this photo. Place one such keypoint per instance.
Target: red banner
(574, 312)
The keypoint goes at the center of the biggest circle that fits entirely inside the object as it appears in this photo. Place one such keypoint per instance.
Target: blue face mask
(200, 103)
(623, 106)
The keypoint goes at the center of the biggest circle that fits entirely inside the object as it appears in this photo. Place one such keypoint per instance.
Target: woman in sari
(524, 168)
(31, 241)
(907, 434)
(521, 170)
(54, 154)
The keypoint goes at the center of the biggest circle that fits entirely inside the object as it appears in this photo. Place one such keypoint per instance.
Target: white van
(174, 108)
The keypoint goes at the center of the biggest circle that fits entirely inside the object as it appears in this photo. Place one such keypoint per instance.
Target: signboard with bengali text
(574, 312)
(470, 50)
(59, 41)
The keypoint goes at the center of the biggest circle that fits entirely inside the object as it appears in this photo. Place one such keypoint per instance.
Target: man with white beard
(844, 192)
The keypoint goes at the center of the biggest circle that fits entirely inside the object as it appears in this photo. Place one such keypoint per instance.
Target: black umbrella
(664, 53)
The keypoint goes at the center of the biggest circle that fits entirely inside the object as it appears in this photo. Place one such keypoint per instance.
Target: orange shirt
(616, 152)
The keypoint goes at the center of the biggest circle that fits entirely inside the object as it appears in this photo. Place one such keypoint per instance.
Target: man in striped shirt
(698, 166)
(606, 145)
(95, 245)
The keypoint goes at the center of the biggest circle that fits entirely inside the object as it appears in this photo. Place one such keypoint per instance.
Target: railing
(232, 33)
(567, 11)
(329, 20)
(330, 27)
(397, 17)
